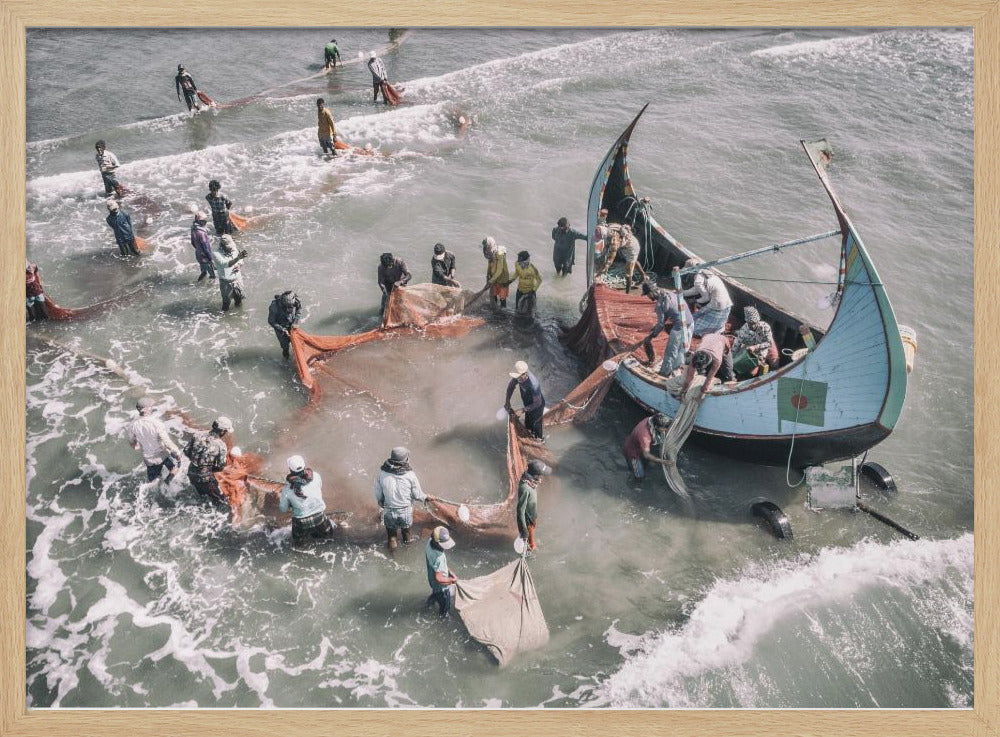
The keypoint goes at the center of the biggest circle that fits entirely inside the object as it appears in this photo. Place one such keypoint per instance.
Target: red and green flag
(802, 401)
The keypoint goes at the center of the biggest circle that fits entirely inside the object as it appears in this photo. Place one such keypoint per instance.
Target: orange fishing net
(613, 322)
(55, 312)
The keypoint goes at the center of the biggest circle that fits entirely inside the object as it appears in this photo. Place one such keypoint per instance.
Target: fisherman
(629, 249)
(443, 267)
(121, 225)
(202, 245)
(711, 299)
(497, 271)
(149, 435)
(327, 128)
(564, 248)
(439, 576)
(648, 432)
(601, 236)
(712, 357)
(331, 54)
(207, 453)
(221, 205)
(392, 273)
(755, 339)
(184, 81)
(284, 314)
(396, 488)
(227, 261)
(676, 320)
(108, 164)
(531, 398)
(527, 501)
(303, 493)
(612, 242)
(34, 293)
(528, 281)
(379, 76)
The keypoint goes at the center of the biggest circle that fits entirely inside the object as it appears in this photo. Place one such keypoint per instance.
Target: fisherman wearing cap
(528, 281)
(34, 293)
(303, 494)
(107, 163)
(392, 273)
(439, 576)
(564, 248)
(497, 271)
(227, 261)
(601, 236)
(754, 337)
(713, 356)
(202, 245)
(396, 488)
(207, 453)
(443, 267)
(676, 319)
(712, 301)
(527, 501)
(149, 435)
(629, 249)
(648, 432)
(531, 398)
(284, 313)
(331, 54)
(220, 206)
(120, 223)
(379, 76)
(184, 81)
(327, 130)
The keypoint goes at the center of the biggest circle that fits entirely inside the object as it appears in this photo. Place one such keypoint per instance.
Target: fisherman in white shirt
(712, 301)
(149, 436)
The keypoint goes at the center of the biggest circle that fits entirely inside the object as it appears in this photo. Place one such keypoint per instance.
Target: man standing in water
(227, 260)
(531, 398)
(149, 436)
(564, 249)
(529, 279)
(303, 494)
(331, 54)
(443, 267)
(379, 76)
(439, 576)
(648, 432)
(221, 205)
(185, 82)
(284, 314)
(121, 225)
(207, 453)
(34, 293)
(108, 164)
(527, 501)
(327, 128)
(497, 271)
(396, 488)
(202, 244)
(392, 273)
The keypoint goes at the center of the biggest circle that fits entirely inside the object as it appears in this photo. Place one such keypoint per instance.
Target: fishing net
(502, 611)
(613, 323)
(677, 434)
(56, 312)
(390, 93)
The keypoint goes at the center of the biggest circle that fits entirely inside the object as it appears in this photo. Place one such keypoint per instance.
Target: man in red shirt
(647, 433)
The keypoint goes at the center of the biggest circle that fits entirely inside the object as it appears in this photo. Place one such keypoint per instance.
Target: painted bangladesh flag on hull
(802, 401)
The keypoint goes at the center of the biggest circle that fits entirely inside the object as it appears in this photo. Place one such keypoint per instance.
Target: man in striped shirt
(379, 76)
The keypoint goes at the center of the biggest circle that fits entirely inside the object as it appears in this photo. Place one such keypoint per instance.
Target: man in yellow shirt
(497, 271)
(528, 281)
(327, 129)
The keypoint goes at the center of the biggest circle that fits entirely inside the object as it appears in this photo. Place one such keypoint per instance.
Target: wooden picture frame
(983, 719)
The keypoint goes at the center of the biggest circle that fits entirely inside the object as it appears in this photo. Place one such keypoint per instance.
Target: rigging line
(805, 281)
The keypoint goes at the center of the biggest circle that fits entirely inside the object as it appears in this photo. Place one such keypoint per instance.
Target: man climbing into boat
(648, 432)
(392, 273)
(439, 576)
(712, 301)
(283, 314)
(713, 356)
(379, 76)
(527, 501)
(529, 279)
(207, 453)
(564, 247)
(34, 293)
(531, 398)
(602, 235)
(629, 250)
(396, 488)
(303, 495)
(327, 128)
(331, 54)
(221, 205)
(497, 271)
(121, 225)
(184, 82)
(676, 320)
(108, 164)
(752, 344)
(443, 267)
(149, 436)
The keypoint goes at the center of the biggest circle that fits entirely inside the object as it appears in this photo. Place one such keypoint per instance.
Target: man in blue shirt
(121, 225)
(303, 494)
(678, 320)
(439, 576)
(531, 398)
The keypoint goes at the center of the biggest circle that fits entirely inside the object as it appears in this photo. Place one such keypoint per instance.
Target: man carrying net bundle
(649, 431)
(283, 314)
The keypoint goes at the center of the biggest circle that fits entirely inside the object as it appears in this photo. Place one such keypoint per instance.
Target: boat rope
(795, 430)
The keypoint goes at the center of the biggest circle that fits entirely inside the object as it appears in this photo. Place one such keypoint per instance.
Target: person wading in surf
(331, 54)
(327, 128)
(649, 431)
(121, 225)
(392, 273)
(564, 246)
(379, 76)
(221, 205)
(531, 397)
(283, 315)
(497, 271)
(396, 488)
(108, 164)
(439, 576)
(185, 83)
(34, 293)
(149, 436)
(443, 267)
(527, 501)
(208, 454)
(202, 244)
(303, 494)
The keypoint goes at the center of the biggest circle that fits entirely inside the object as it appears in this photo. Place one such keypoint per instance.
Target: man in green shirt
(527, 501)
(332, 54)
(438, 575)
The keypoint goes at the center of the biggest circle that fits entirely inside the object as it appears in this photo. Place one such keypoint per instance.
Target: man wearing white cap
(379, 75)
(207, 453)
(227, 262)
(531, 398)
(202, 244)
(439, 576)
(303, 494)
(396, 488)
(121, 225)
(149, 435)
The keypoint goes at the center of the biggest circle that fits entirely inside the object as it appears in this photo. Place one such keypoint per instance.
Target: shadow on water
(345, 322)
(189, 308)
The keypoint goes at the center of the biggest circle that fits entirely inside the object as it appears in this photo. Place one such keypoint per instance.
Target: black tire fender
(878, 475)
(775, 519)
